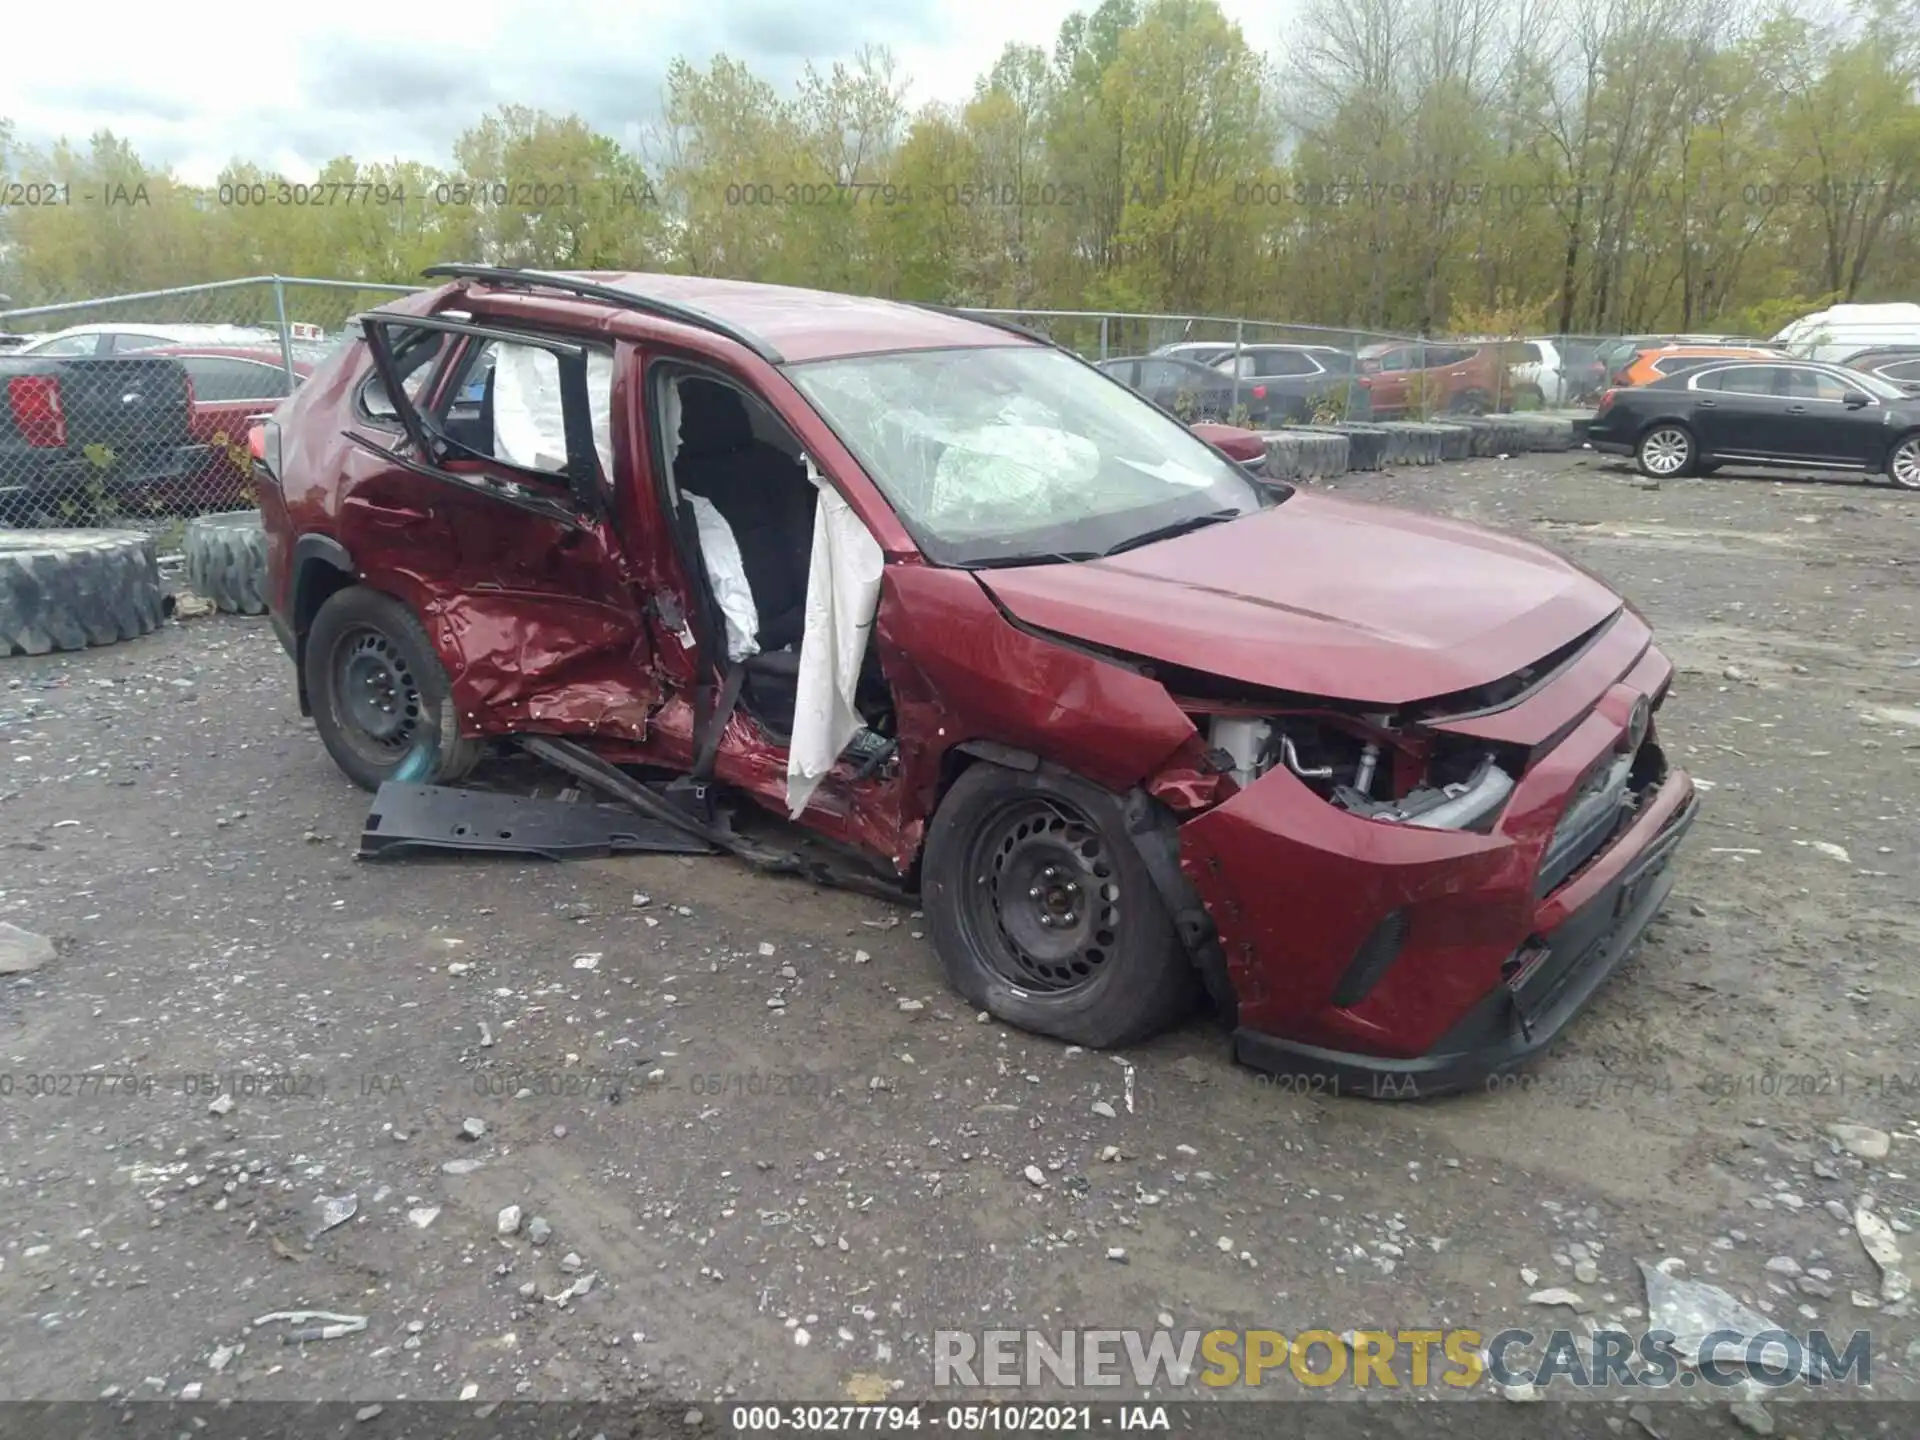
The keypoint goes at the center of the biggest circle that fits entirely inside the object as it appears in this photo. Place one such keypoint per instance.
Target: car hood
(1323, 597)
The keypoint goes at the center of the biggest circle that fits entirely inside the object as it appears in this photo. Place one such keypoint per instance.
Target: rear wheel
(1471, 403)
(1903, 465)
(381, 700)
(1044, 914)
(1665, 451)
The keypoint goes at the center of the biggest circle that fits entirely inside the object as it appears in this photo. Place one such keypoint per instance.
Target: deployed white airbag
(843, 593)
(529, 424)
(720, 552)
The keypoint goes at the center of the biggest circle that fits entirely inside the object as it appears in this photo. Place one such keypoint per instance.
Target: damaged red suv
(1136, 728)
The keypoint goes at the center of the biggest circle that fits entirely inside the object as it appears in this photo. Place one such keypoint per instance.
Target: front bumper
(1359, 952)
(1513, 1022)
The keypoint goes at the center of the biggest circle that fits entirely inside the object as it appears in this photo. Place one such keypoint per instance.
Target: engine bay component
(1463, 805)
(1358, 764)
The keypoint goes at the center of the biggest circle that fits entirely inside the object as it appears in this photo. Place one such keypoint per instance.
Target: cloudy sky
(291, 86)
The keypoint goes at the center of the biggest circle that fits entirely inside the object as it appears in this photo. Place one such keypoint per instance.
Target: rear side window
(1808, 384)
(506, 403)
(1751, 380)
(1162, 374)
(1904, 372)
(415, 363)
(72, 345)
(1284, 362)
(125, 344)
(219, 381)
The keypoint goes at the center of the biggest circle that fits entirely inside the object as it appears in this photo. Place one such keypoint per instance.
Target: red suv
(1134, 726)
(1425, 377)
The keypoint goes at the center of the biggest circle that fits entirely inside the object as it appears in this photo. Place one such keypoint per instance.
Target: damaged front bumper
(1555, 973)
(1394, 961)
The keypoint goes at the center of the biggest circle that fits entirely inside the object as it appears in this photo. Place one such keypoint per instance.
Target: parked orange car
(1658, 360)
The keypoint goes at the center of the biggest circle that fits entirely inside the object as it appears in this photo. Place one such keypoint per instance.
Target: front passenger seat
(763, 494)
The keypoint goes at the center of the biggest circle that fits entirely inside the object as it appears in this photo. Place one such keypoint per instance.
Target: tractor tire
(68, 589)
(227, 561)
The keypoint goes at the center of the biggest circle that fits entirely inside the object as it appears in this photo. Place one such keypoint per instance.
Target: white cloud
(293, 86)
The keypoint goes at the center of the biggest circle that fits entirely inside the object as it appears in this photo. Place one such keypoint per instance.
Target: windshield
(997, 455)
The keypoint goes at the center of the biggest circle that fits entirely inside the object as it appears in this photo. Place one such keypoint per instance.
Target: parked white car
(124, 337)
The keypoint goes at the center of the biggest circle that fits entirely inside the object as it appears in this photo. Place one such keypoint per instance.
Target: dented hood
(1322, 596)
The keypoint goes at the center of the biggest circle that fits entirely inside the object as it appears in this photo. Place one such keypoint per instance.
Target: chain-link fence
(1265, 373)
(135, 409)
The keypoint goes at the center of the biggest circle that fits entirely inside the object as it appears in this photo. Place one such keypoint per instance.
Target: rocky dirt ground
(759, 1150)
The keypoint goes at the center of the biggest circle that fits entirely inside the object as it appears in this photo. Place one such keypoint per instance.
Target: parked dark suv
(1385, 787)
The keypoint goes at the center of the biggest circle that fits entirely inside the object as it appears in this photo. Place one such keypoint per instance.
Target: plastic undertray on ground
(406, 818)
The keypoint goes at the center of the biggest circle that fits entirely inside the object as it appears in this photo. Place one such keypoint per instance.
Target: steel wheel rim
(1042, 907)
(378, 699)
(1906, 465)
(1665, 451)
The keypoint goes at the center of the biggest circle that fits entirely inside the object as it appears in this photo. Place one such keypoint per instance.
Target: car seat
(768, 502)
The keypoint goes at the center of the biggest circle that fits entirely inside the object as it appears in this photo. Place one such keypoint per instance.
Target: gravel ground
(750, 1114)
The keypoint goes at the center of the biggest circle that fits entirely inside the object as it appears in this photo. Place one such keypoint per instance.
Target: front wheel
(1903, 465)
(1665, 451)
(1044, 914)
(381, 700)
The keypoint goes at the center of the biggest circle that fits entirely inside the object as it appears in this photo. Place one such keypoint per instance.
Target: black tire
(1655, 453)
(1471, 403)
(68, 589)
(1114, 973)
(381, 700)
(227, 561)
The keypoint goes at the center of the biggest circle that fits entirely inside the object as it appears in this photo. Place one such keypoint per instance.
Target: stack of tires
(69, 589)
(227, 561)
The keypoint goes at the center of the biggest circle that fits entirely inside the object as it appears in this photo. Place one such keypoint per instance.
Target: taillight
(263, 442)
(1259, 392)
(37, 415)
(1606, 402)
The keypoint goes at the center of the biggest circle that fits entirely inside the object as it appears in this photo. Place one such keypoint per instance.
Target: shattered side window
(992, 443)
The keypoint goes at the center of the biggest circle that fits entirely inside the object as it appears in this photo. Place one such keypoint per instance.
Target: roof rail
(509, 278)
(993, 320)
